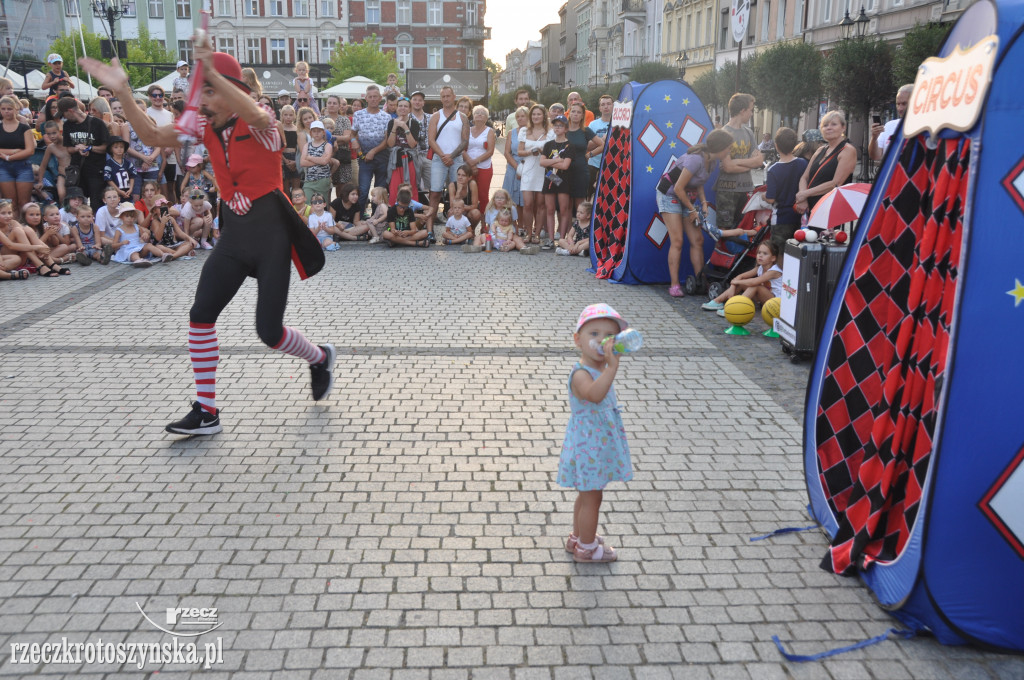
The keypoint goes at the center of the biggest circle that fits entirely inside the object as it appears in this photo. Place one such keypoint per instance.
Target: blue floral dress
(595, 450)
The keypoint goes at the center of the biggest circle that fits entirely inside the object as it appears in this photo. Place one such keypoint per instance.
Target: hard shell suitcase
(810, 271)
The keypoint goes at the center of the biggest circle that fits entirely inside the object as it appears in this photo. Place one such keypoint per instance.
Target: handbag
(430, 150)
(72, 175)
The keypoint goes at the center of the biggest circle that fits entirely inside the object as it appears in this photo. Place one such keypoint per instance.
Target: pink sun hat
(600, 311)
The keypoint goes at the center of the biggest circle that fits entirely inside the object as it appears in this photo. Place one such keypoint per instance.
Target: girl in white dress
(128, 242)
(531, 143)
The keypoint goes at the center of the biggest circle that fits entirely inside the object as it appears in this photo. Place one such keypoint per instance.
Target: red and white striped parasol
(839, 206)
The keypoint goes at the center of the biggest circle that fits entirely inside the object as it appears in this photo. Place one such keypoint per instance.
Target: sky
(513, 22)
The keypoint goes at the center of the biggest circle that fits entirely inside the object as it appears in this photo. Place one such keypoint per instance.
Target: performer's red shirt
(246, 161)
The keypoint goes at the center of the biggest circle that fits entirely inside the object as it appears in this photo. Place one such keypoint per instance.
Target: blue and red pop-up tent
(914, 439)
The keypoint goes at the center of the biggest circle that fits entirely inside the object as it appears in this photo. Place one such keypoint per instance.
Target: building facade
(584, 10)
(689, 29)
(434, 34)
(641, 22)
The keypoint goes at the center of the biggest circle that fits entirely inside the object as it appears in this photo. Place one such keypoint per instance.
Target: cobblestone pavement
(410, 526)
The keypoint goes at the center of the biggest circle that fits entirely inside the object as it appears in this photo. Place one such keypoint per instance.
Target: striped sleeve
(269, 138)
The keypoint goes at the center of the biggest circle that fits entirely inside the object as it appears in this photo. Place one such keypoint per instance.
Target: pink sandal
(676, 291)
(573, 540)
(602, 553)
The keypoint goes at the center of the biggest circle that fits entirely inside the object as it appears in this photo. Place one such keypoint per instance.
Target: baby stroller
(732, 255)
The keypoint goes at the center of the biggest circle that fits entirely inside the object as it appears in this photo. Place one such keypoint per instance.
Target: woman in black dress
(830, 167)
(584, 146)
(289, 132)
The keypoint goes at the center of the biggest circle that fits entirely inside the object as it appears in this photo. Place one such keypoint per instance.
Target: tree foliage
(920, 42)
(142, 49)
(364, 59)
(650, 71)
(787, 77)
(705, 86)
(549, 94)
(858, 74)
(495, 70)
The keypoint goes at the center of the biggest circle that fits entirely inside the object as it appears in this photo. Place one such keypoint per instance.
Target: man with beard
(260, 232)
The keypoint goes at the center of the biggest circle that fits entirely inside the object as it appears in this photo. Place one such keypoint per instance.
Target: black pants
(255, 245)
(92, 185)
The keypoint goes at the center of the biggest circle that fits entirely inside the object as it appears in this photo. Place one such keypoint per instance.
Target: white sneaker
(561, 251)
(583, 253)
(204, 245)
(375, 239)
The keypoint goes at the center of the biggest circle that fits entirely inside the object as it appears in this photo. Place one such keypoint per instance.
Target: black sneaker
(431, 239)
(108, 250)
(320, 377)
(198, 421)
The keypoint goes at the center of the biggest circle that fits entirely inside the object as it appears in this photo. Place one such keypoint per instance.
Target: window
(183, 9)
(723, 40)
(156, 9)
(471, 59)
(668, 37)
(276, 8)
(434, 59)
(689, 31)
(253, 51)
(765, 18)
(129, 9)
(251, 8)
(227, 46)
(327, 9)
(373, 11)
(278, 51)
(300, 8)
(699, 24)
(302, 50)
(471, 12)
(225, 8)
(798, 18)
(185, 50)
(709, 31)
(751, 20)
(828, 11)
(71, 8)
(404, 54)
(434, 15)
(404, 12)
(326, 50)
(780, 26)
(870, 6)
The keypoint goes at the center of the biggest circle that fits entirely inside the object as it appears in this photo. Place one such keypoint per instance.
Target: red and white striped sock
(295, 343)
(204, 352)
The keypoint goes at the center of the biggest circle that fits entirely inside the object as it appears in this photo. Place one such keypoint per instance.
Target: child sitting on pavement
(403, 227)
(503, 234)
(380, 218)
(300, 205)
(196, 219)
(577, 240)
(457, 230)
(321, 223)
(86, 235)
(347, 218)
(128, 241)
(760, 284)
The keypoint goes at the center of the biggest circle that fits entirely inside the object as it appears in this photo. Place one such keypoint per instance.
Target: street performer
(260, 232)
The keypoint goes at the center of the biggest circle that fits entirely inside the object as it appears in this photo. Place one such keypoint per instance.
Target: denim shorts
(442, 175)
(671, 205)
(17, 171)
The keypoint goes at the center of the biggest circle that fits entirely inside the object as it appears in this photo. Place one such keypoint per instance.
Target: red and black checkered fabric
(877, 412)
(611, 206)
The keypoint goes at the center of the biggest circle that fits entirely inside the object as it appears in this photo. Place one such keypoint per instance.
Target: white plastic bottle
(626, 342)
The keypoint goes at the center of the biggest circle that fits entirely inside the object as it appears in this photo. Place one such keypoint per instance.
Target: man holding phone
(882, 134)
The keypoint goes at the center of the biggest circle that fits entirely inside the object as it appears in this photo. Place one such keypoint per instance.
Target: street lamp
(846, 26)
(862, 23)
(111, 10)
(681, 61)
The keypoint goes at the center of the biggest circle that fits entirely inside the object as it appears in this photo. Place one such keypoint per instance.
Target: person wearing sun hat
(261, 233)
(595, 450)
(180, 82)
(56, 74)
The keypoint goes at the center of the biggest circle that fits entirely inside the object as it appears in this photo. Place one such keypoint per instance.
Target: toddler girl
(595, 450)
(196, 216)
(500, 200)
(128, 242)
(503, 233)
(304, 84)
(86, 236)
(577, 240)
(196, 176)
(760, 284)
(378, 220)
(322, 224)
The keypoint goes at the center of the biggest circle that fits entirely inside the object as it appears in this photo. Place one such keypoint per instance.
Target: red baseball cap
(228, 66)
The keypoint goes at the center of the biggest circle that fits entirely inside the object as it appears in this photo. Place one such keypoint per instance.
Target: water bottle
(626, 342)
(487, 243)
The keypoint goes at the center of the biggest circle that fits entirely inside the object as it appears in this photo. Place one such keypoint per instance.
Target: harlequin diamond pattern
(1004, 504)
(1014, 183)
(611, 204)
(651, 138)
(656, 231)
(691, 132)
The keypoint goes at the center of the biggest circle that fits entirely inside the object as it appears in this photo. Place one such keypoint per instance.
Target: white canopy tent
(167, 83)
(353, 87)
(81, 88)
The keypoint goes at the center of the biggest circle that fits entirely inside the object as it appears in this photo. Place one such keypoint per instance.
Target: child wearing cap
(181, 80)
(118, 172)
(557, 160)
(128, 243)
(595, 450)
(316, 159)
(56, 75)
(196, 177)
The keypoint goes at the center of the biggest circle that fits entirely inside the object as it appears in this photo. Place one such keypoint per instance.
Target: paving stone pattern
(410, 526)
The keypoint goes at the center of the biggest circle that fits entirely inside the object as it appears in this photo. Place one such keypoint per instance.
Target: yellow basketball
(770, 310)
(739, 310)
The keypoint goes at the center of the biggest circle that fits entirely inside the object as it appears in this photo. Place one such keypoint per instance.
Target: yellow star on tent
(671, 145)
(650, 169)
(668, 98)
(647, 108)
(686, 102)
(1017, 293)
(668, 124)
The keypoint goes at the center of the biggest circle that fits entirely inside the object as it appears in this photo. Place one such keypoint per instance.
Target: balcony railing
(476, 33)
(633, 6)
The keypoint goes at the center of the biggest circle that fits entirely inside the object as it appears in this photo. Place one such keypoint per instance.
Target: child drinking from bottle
(595, 450)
